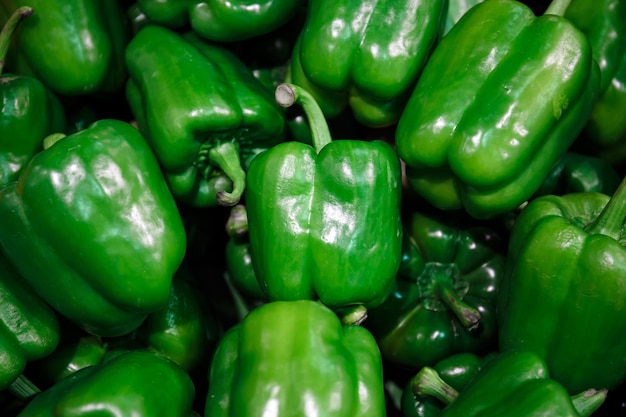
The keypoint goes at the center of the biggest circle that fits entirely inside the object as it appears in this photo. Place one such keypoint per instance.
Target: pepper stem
(354, 315)
(52, 138)
(23, 388)
(610, 220)
(237, 223)
(558, 7)
(468, 316)
(289, 94)
(8, 29)
(587, 402)
(226, 156)
(427, 382)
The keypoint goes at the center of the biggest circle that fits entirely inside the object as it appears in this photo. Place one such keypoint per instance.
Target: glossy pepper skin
(324, 221)
(30, 111)
(292, 357)
(222, 20)
(365, 55)
(132, 384)
(444, 297)
(74, 48)
(105, 198)
(562, 296)
(487, 120)
(202, 129)
(29, 329)
(509, 384)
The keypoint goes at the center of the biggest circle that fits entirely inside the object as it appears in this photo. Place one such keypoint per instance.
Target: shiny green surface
(566, 270)
(222, 20)
(324, 222)
(418, 325)
(86, 54)
(487, 120)
(201, 129)
(133, 384)
(366, 55)
(92, 197)
(295, 358)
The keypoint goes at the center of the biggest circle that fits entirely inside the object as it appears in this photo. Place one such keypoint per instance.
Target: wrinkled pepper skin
(202, 129)
(487, 120)
(289, 358)
(74, 48)
(365, 55)
(29, 329)
(444, 297)
(566, 269)
(518, 384)
(132, 384)
(222, 20)
(105, 198)
(324, 222)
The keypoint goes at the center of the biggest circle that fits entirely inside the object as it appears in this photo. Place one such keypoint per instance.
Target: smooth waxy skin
(294, 358)
(221, 20)
(219, 103)
(366, 55)
(565, 268)
(415, 326)
(86, 54)
(132, 384)
(91, 197)
(486, 121)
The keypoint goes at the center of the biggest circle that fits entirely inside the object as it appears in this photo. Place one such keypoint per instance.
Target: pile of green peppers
(312, 208)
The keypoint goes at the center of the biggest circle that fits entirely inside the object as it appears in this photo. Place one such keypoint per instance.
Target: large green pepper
(295, 358)
(509, 384)
(200, 129)
(444, 297)
(132, 384)
(92, 226)
(74, 48)
(503, 96)
(222, 20)
(30, 111)
(324, 221)
(366, 55)
(563, 294)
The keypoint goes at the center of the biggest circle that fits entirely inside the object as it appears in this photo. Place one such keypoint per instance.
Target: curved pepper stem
(427, 382)
(289, 94)
(23, 388)
(226, 156)
(8, 29)
(610, 220)
(587, 402)
(558, 7)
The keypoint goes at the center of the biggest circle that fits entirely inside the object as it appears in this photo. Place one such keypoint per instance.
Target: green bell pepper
(30, 111)
(324, 222)
(502, 98)
(93, 211)
(295, 358)
(444, 297)
(563, 294)
(510, 384)
(366, 55)
(222, 20)
(132, 384)
(200, 129)
(74, 48)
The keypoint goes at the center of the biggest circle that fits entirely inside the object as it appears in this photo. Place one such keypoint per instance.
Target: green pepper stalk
(8, 29)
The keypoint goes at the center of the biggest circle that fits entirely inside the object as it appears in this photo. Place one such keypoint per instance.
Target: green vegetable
(200, 130)
(444, 297)
(510, 384)
(563, 294)
(324, 221)
(295, 358)
(366, 55)
(222, 20)
(30, 111)
(93, 228)
(492, 114)
(137, 384)
(74, 48)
